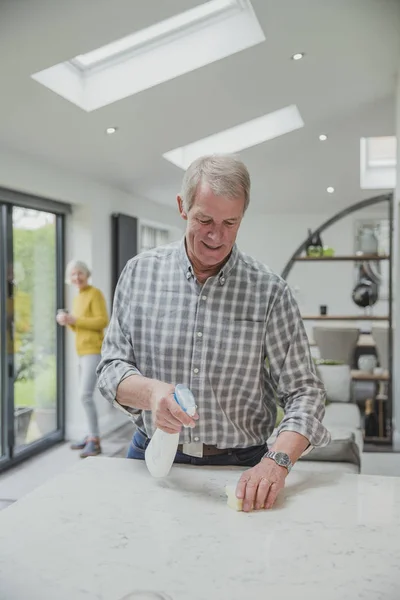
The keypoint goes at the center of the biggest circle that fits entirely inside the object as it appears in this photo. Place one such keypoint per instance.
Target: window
(381, 151)
(165, 50)
(31, 345)
(378, 159)
(151, 237)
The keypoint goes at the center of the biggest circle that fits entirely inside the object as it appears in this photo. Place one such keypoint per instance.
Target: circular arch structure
(340, 215)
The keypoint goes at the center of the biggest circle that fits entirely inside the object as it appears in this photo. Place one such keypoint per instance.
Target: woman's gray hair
(226, 175)
(78, 265)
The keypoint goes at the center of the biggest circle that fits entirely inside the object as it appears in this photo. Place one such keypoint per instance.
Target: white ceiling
(345, 86)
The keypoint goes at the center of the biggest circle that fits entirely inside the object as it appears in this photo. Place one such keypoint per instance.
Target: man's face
(212, 225)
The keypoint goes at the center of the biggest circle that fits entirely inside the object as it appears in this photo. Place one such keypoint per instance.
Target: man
(202, 313)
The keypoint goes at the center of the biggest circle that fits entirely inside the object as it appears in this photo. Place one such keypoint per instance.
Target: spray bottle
(161, 451)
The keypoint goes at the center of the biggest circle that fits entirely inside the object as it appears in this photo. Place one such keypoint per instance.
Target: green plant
(328, 361)
(40, 389)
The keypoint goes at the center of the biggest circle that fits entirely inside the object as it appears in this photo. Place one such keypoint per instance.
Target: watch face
(282, 459)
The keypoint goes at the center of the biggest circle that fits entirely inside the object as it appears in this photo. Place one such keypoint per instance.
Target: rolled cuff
(309, 427)
(109, 381)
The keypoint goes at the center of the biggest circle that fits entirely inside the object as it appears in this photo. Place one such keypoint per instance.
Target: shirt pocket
(242, 339)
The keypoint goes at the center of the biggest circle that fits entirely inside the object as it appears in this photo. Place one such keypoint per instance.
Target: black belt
(211, 450)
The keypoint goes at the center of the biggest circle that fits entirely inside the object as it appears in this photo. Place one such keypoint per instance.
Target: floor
(21, 480)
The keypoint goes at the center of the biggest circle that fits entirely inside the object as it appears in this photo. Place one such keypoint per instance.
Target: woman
(88, 320)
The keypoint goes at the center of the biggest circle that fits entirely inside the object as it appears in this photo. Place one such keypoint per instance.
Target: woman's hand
(70, 319)
(61, 319)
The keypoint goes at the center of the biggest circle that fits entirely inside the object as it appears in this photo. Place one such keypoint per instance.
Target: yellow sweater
(90, 311)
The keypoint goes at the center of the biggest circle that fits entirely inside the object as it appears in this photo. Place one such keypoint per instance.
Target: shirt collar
(223, 273)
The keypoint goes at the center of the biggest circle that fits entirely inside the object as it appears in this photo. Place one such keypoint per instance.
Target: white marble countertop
(106, 528)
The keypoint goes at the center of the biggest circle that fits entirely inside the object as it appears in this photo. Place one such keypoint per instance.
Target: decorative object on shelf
(314, 245)
(371, 426)
(336, 377)
(374, 235)
(367, 363)
(369, 242)
(328, 251)
(365, 292)
(323, 309)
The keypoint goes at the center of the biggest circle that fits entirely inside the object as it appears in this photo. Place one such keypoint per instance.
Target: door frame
(11, 455)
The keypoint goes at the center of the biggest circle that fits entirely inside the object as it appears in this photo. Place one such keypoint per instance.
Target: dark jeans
(242, 457)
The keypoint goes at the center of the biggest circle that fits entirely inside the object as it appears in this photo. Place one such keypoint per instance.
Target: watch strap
(281, 458)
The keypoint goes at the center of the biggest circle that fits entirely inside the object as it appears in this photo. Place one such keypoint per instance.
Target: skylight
(381, 151)
(188, 41)
(157, 33)
(378, 159)
(241, 136)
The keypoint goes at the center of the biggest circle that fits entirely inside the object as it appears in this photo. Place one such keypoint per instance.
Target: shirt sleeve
(300, 392)
(99, 319)
(117, 354)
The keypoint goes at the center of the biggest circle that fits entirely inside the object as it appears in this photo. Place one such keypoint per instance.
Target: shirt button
(195, 370)
(204, 297)
(199, 334)
(196, 439)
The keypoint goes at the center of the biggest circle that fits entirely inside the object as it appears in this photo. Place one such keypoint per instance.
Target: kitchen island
(106, 528)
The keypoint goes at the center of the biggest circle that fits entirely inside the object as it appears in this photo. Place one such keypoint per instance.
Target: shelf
(376, 438)
(362, 376)
(344, 318)
(352, 257)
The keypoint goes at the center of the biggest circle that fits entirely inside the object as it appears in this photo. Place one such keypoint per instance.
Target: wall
(88, 238)
(396, 340)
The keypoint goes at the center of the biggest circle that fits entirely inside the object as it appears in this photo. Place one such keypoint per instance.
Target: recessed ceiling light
(111, 130)
(323, 137)
(298, 56)
(330, 189)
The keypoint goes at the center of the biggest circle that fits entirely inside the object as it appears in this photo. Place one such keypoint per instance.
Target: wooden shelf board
(353, 257)
(362, 376)
(344, 318)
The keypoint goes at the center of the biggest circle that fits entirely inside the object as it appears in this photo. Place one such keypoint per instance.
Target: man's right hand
(167, 414)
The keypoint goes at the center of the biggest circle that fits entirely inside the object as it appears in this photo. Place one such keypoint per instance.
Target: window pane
(35, 377)
(151, 237)
(382, 151)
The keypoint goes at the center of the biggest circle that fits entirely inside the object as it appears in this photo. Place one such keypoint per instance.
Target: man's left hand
(259, 486)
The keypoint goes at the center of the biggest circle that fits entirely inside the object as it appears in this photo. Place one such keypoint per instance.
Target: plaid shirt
(237, 341)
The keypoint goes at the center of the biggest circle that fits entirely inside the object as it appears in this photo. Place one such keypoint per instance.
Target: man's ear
(182, 211)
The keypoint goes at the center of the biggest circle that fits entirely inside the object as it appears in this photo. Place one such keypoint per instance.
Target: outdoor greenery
(34, 313)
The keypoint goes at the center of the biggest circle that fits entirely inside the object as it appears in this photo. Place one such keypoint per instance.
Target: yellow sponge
(233, 502)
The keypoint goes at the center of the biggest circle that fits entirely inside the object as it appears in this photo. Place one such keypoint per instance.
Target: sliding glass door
(31, 257)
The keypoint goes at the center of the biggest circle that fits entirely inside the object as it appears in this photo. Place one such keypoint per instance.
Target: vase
(366, 363)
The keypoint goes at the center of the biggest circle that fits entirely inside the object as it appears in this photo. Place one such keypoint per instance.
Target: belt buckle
(193, 449)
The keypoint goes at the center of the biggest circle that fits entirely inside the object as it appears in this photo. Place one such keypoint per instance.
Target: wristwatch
(281, 458)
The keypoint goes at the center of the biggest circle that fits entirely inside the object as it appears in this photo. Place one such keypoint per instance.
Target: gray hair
(79, 265)
(226, 175)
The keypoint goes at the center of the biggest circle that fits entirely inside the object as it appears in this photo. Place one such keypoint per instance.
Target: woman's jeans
(87, 383)
(241, 457)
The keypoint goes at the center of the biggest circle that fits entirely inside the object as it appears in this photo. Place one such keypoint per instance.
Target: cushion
(337, 382)
(342, 415)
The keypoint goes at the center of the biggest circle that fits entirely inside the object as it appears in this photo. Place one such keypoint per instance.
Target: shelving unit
(344, 318)
(383, 400)
(353, 258)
